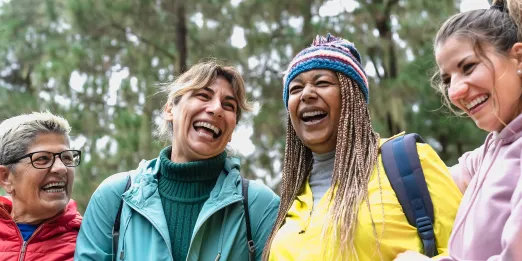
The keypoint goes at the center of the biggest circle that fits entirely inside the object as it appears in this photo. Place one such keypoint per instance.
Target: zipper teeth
(195, 228)
(24, 245)
(22, 253)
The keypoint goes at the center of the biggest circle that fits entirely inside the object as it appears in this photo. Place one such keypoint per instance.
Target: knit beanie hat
(331, 53)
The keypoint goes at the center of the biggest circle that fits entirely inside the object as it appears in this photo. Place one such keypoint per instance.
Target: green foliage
(62, 56)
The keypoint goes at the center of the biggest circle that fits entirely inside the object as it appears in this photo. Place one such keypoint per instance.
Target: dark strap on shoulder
(250, 241)
(116, 226)
(402, 166)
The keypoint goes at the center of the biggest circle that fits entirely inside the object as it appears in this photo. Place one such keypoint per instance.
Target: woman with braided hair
(479, 55)
(336, 200)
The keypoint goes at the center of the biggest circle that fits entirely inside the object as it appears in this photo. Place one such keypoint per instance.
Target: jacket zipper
(153, 224)
(196, 229)
(24, 245)
(22, 253)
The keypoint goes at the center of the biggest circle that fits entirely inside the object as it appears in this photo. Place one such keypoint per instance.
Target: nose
(214, 108)
(457, 90)
(58, 166)
(308, 93)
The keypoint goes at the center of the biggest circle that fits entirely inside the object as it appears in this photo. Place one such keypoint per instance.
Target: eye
(323, 83)
(446, 80)
(468, 68)
(203, 95)
(295, 89)
(229, 106)
(42, 159)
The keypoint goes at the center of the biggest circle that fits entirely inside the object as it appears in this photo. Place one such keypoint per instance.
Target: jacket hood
(511, 132)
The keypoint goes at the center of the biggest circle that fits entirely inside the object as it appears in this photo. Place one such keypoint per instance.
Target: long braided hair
(356, 154)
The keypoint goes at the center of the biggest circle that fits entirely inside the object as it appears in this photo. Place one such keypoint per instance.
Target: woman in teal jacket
(187, 203)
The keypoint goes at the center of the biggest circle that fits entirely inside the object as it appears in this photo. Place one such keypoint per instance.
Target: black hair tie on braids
(499, 5)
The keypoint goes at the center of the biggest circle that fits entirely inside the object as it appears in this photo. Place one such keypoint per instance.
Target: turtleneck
(321, 175)
(184, 188)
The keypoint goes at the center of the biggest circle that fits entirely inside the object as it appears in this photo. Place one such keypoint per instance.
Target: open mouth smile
(54, 187)
(313, 117)
(208, 129)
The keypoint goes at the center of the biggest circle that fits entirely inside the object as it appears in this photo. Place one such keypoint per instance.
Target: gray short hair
(17, 133)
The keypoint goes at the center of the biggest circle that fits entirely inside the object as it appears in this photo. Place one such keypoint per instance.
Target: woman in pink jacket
(479, 55)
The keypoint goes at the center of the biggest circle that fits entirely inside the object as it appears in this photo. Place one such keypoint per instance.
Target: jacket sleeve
(445, 195)
(94, 241)
(467, 166)
(268, 201)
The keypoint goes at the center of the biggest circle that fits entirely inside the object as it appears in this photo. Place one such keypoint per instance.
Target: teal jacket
(219, 234)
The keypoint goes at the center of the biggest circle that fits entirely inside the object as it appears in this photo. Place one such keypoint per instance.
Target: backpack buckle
(425, 228)
(251, 247)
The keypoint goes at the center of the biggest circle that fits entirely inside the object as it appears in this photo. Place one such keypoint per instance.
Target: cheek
(293, 102)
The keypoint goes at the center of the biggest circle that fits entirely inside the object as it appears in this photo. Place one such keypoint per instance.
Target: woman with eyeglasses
(38, 220)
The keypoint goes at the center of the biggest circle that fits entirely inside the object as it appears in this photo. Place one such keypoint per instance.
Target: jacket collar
(69, 217)
(144, 189)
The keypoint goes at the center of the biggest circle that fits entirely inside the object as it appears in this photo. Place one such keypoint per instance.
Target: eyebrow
(227, 97)
(459, 65)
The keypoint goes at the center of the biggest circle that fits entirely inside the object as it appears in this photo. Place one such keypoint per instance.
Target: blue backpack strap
(402, 166)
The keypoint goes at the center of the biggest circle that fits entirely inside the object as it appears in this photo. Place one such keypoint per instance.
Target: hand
(411, 256)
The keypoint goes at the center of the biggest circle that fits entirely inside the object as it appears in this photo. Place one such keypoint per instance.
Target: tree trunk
(181, 36)
(306, 10)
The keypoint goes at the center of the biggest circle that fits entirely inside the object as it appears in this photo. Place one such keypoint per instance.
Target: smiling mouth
(54, 187)
(477, 102)
(207, 128)
(313, 116)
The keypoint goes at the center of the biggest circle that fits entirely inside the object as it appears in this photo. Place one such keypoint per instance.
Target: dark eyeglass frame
(59, 154)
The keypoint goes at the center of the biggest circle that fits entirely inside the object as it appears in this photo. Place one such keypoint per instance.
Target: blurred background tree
(99, 64)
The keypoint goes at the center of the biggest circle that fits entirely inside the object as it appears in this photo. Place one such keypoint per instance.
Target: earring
(519, 72)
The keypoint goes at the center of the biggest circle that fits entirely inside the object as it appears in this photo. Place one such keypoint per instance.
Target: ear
(516, 52)
(5, 182)
(168, 111)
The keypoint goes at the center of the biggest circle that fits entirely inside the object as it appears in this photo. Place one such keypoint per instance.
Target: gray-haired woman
(38, 221)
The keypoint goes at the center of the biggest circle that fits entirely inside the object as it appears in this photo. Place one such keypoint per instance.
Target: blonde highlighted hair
(356, 155)
(198, 77)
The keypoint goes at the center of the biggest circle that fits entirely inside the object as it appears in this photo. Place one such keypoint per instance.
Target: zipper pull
(122, 254)
(218, 257)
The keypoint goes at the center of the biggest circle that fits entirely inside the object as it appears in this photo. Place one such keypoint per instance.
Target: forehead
(220, 85)
(450, 52)
(314, 73)
(52, 142)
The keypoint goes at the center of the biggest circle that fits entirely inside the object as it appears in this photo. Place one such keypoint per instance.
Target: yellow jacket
(300, 236)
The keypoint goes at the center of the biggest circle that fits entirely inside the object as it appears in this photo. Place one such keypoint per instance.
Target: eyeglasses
(45, 159)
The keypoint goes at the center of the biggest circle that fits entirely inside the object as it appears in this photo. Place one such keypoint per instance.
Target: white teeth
(313, 113)
(55, 184)
(476, 101)
(55, 190)
(208, 126)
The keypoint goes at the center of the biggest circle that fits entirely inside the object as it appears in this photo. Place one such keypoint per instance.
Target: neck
(21, 215)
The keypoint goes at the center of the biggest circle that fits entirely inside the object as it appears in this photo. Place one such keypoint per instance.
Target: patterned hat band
(330, 53)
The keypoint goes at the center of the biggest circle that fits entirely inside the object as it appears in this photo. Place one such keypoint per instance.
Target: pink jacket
(488, 225)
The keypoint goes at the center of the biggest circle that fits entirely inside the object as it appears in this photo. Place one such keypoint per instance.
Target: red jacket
(53, 240)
